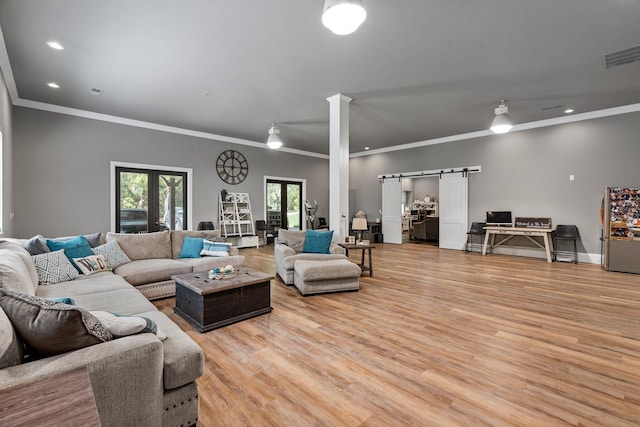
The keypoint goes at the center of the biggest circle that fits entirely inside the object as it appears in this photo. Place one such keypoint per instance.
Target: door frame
(114, 191)
(303, 195)
(427, 173)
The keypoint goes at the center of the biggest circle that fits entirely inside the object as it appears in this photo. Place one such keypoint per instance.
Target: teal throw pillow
(63, 300)
(78, 247)
(317, 242)
(191, 247)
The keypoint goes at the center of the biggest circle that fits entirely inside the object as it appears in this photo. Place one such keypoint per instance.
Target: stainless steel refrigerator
(622, 229)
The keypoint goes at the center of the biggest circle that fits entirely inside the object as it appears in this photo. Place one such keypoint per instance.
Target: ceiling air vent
(621, 57)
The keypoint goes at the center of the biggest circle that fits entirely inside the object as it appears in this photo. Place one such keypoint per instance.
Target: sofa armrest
(336, 249)
(125, 374)
(281, 251)
(234, 251)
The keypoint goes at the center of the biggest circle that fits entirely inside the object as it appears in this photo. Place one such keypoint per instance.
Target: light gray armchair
(288, 249)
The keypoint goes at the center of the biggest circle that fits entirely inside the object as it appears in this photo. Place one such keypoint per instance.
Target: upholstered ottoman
(316, 277)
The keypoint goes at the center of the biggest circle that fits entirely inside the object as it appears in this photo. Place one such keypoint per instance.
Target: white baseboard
(538, 253)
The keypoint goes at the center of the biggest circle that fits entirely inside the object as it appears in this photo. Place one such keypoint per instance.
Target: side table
(365, 248)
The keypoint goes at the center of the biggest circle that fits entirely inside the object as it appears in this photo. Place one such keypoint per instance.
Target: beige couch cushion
(145, 271)
(208, 262)
(144, 246)
(11, 352)
(290, 261)
(183, 358)
(310, 271)
(17, 270)
(84, 285)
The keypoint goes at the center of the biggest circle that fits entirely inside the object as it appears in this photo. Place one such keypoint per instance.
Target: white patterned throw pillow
(210, 248)
(113, 254)
(54, 267)
(92, 264)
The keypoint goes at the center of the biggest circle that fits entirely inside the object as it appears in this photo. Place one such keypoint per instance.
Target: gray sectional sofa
(138, 379)
(154, 259)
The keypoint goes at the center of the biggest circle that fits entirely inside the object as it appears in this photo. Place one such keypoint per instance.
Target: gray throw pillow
(94, 239)
(37, 245)
(292, 238)
(113, 254)
(49, 327)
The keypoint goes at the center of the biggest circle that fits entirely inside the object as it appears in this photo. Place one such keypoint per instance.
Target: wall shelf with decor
(236, 220)
(426, 208)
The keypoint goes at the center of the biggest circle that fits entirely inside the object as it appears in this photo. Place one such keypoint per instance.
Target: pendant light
(501, 122)
(343, 17)
(273, 141)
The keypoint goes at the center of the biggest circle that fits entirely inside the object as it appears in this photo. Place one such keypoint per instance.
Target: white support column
(339, 166)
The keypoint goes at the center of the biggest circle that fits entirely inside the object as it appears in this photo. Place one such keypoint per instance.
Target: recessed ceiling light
(366, 148)
(206, 93)
(568, 111)
(55, 45)
(53, 85)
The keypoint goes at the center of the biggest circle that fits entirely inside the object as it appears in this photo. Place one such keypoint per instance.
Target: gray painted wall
(62, 171)
(425, 187)
(7, 154)
(526, 172)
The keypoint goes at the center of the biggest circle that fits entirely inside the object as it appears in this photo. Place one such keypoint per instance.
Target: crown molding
(615, 111)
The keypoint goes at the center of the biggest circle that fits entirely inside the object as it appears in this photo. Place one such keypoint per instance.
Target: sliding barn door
(392, 210)
(453, 189)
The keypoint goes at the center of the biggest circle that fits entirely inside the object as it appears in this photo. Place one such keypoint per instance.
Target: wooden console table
(55, 400)
(510, 232)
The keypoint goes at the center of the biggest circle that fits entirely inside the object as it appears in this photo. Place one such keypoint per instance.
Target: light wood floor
(435, 338)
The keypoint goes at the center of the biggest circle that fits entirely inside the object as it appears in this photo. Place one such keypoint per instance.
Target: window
(149, 198)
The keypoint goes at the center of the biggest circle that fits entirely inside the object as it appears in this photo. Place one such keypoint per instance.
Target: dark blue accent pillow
(63, 300)
(317, 242)
(78, 247)
(191, 247)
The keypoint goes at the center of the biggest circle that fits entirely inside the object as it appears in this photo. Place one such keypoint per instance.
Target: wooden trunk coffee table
(209, 303)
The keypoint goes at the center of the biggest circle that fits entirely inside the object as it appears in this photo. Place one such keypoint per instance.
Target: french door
(150, 200)
(284, 205)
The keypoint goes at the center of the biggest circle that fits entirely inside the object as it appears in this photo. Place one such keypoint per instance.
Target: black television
(499, 218)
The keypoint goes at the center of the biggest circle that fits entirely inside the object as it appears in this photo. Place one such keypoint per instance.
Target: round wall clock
(232, 167)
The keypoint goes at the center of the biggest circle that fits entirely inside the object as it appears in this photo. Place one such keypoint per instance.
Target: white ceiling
(416, 69)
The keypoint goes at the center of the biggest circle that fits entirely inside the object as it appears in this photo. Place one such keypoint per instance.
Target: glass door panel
(132, 215)
(284, 201)
(150, 200)
(171, 201)
(274, 208)
(294, 213)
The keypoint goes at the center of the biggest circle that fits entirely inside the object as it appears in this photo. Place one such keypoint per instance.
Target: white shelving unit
(236, 220)
(429, 208)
